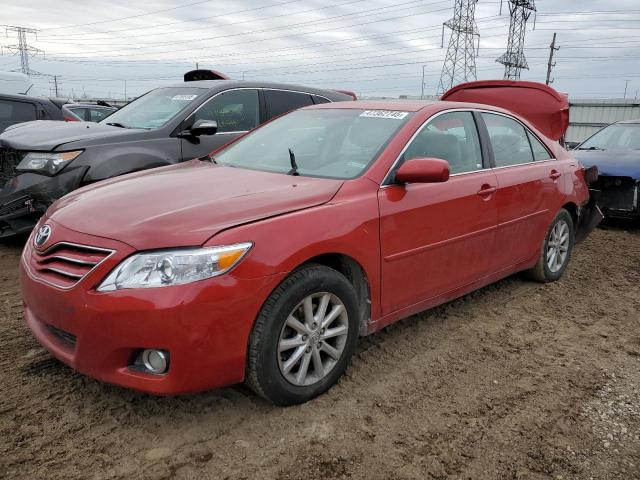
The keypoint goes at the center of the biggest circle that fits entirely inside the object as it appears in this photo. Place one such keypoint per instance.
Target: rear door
(236, 112)
(280, 102)
(529, 188)
(437, 237)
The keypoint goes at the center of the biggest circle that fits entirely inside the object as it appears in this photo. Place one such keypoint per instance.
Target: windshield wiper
(116, 124)
(208, 158)
(591, 148)
(294, 165)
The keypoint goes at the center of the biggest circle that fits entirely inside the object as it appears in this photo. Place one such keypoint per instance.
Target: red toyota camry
(267, 262)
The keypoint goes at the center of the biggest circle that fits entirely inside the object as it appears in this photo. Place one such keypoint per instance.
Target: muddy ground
(516, 381)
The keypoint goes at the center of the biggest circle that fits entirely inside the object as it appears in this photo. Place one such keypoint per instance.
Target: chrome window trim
(297, 91)
(386, 178)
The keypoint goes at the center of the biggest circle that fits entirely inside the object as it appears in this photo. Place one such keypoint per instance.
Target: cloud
(373, 47)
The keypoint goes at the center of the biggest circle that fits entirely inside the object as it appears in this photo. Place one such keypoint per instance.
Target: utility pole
(23, 48)
(422, 90)
(513, 59)
(197, 67)
(551, 63)
(125, 90)
(55, 82)
(460, 61)
(626, 84)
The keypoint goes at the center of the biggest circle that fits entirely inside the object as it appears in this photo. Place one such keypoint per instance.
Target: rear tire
(304, 336)
(556, 249)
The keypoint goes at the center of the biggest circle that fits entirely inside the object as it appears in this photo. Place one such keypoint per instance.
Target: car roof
(226, 84)
(636, 121)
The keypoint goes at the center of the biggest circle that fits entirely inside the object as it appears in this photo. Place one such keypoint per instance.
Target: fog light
(155, 361)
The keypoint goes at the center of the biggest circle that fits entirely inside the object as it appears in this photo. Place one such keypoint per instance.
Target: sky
(373, 47)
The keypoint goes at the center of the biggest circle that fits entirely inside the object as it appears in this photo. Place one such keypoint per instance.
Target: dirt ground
(516, 381)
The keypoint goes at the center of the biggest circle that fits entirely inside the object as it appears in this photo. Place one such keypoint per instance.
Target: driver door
(236, 112)
(440, 236)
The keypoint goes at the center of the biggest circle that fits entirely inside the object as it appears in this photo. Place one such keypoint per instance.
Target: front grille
(65, 264)
(65, 337)
(618, 193)
(17, 205)
(9, 160)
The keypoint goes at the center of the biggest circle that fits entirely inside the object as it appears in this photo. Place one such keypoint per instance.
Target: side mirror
(423, 170)
(204, 127)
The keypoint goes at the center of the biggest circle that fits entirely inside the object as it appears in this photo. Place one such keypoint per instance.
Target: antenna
(460, 62)
(513, 59)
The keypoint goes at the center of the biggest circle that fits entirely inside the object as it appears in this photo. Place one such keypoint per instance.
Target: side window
(97, 114)
(508, 139)
(317, 99)
(280, 102)
(452, 137)
(539, 151)
(15, 112)
(234, 111)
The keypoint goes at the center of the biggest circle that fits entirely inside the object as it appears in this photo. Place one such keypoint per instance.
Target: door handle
(554, 175)
(486, 190)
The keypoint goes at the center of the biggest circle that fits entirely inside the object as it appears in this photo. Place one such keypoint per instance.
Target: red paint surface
(418, 244)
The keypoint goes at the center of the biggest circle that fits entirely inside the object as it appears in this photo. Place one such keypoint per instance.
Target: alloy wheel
(312, 339)
(558, 246)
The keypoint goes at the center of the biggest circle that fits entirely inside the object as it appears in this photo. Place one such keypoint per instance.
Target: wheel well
(356, 275)
(572, 208)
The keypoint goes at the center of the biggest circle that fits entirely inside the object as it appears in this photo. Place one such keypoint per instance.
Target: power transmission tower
(460, 62)
(551, 63)
(23, 48)
(513, 59)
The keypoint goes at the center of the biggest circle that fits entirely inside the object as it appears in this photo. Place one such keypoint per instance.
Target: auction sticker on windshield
(183, 98)
(384, 114)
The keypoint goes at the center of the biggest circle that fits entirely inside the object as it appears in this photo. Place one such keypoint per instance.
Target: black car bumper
(618, 197)
(26, 197)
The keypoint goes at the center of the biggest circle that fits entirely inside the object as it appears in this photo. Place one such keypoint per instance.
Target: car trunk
(546, 109)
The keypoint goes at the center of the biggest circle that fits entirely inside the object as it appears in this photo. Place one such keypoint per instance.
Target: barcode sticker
(384, 114)
(183, 98)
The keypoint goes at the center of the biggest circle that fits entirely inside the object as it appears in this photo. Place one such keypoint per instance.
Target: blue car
(615, 150)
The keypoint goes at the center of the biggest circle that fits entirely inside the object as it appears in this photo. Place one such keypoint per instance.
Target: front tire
(556, 249)
(304, 336)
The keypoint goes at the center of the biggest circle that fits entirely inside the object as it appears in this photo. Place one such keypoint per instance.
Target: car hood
(613, 163)
(48, 135)
(186, 204)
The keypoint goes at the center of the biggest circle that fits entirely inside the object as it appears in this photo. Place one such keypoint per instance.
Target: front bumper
(26, 197)
(618, 197)
(204, 326)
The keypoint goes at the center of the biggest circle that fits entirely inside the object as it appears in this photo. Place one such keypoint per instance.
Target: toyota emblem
(42, 236)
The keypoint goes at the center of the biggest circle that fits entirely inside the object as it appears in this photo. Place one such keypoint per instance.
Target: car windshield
(329, 143)
(620, 136)
(154, 109)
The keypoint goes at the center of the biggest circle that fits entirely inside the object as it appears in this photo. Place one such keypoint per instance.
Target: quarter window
(452, 137)
(234, 111)
(508, 139)
(539, 150)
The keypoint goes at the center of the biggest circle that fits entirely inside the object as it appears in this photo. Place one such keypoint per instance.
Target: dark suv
(42, 161)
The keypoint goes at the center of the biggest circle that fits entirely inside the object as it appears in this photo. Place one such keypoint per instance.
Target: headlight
(48, 163)
(173, 267)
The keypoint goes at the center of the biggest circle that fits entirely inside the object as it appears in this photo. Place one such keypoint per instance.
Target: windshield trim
(373, 160)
